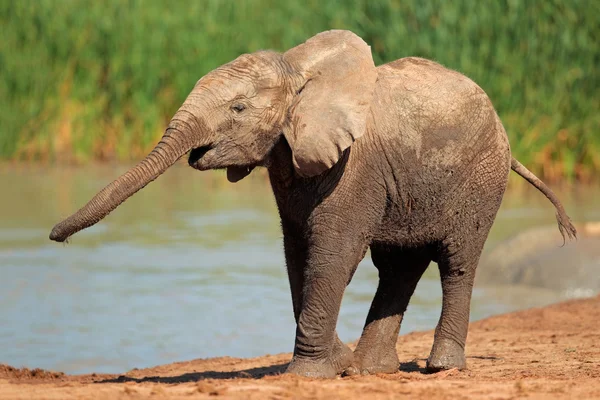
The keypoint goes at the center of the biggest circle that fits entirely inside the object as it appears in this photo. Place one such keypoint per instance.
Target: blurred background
(193, 266)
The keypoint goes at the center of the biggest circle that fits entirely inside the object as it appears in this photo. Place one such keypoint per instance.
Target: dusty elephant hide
(409, 159)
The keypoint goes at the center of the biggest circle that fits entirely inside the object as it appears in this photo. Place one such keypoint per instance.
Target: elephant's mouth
(198, 160)
(196, 155)
(237, 173)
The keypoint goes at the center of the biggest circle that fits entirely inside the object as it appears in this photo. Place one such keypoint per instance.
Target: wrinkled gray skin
(409, 159)
(534, 258)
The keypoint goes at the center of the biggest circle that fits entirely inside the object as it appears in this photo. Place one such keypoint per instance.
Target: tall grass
(97, 80)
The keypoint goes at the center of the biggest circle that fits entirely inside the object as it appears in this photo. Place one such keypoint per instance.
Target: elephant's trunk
(176, 142)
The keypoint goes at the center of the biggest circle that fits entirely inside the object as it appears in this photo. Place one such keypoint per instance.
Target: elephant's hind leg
(457, 265)
(475, 206)
(399, 272)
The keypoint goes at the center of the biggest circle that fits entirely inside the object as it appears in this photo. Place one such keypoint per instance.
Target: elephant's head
(317, 95)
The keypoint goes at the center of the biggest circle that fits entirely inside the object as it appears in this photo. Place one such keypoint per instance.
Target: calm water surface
(190, 267)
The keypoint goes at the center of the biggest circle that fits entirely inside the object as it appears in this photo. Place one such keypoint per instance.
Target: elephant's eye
(238, 108)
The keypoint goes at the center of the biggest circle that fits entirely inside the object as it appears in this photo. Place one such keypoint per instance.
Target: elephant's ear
(331, 107)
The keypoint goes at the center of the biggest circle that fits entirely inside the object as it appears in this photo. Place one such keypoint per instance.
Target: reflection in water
(190, 267)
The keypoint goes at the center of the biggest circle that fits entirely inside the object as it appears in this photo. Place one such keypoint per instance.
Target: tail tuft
(565, 226)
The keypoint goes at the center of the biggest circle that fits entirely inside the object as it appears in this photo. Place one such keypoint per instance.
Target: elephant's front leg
(330, 266)
(296, 254)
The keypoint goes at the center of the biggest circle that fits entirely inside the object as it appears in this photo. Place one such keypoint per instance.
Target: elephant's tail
(565, 226)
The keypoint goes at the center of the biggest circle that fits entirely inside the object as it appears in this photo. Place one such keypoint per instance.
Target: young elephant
(408, 158)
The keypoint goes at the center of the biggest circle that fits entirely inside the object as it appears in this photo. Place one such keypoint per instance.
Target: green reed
(98, 80)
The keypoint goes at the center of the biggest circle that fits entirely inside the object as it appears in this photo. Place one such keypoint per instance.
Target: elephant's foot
(446, 354)
(341, 357)
(373, 363)
(376, 349)
(311, 368)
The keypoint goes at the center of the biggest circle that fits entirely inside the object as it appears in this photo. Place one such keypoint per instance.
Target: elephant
(408, 159)
(533, 258)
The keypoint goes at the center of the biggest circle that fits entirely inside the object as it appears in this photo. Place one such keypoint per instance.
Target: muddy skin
(408, 159)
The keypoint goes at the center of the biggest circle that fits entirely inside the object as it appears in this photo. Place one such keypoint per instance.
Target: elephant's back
(437, 115)
(424, 79)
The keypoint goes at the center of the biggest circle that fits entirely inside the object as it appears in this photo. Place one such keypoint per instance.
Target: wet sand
(543, 353)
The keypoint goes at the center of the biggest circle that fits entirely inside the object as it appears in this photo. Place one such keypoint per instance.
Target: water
(191, 267)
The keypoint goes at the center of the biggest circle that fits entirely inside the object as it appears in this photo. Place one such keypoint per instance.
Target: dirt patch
(24, 374)
(543, 353)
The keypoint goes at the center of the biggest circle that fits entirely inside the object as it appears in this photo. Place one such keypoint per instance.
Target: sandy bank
(545, 353)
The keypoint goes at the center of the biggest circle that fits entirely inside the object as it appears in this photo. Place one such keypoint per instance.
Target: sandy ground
(545, 353)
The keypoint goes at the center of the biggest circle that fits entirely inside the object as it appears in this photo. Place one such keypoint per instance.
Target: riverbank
(546, 353)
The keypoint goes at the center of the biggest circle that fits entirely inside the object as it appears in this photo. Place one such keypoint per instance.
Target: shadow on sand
(252, 373)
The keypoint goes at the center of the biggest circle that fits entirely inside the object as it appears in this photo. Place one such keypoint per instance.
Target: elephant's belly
(412, 224)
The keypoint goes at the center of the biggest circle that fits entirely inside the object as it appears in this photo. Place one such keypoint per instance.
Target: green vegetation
(95, 80)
